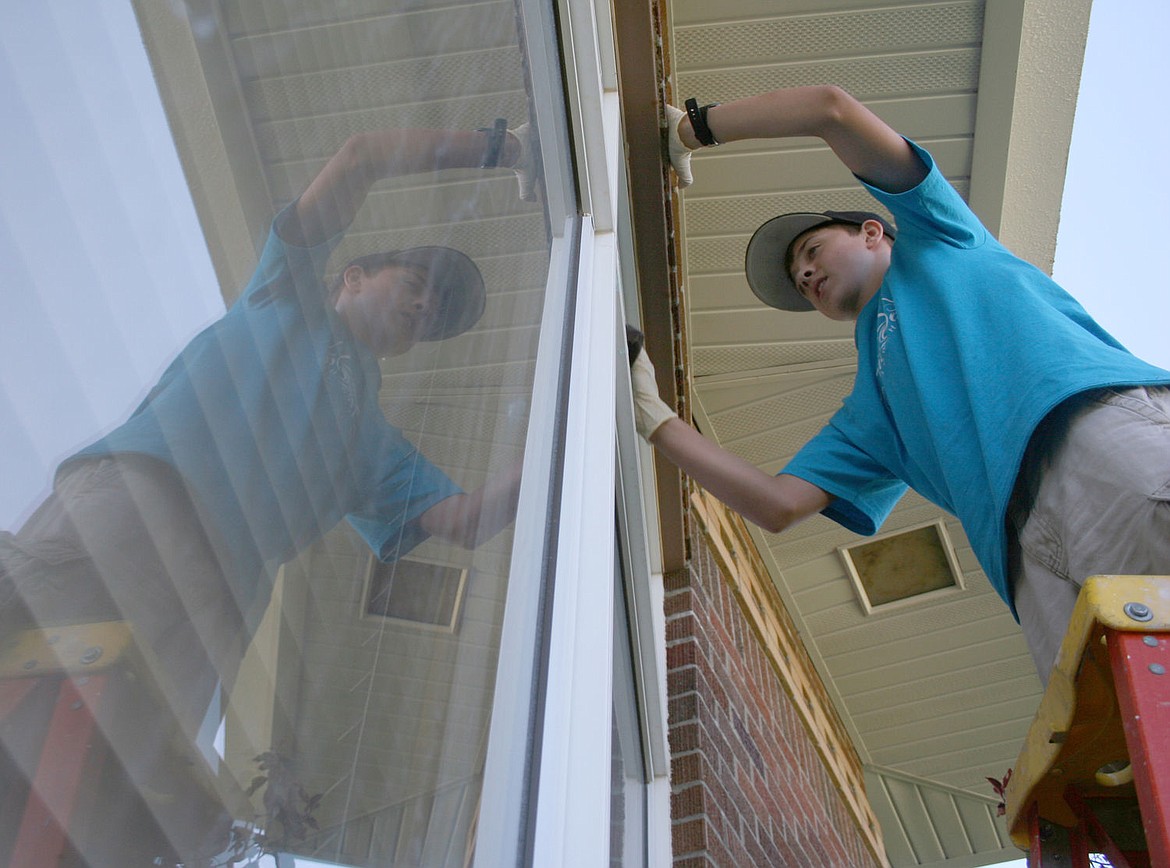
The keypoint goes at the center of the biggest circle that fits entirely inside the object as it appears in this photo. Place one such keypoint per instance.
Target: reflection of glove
(650, 411)
(680, 154)
(526, 166)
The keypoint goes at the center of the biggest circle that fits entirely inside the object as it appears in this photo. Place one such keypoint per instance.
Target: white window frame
(572, 818)
(564, 819)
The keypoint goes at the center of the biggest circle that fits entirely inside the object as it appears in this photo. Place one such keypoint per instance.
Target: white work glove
(650, 411)
(680, 154)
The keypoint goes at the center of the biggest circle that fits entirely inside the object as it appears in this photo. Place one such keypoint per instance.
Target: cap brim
(764, 261)
(462, 284)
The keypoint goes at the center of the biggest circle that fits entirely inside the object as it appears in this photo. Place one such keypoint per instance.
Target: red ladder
(67, 696)
(1094, 773)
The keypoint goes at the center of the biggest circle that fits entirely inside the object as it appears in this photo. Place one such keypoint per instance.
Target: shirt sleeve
(864, 491)
(932, 208)
(287, 268)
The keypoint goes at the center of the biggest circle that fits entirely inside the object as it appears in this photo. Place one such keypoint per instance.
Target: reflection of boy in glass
(264, 433)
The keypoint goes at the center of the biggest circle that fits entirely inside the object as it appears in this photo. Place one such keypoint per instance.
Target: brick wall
(748, 786)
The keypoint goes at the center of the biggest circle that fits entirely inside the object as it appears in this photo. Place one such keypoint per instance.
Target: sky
(1111, 247)
(104, 274)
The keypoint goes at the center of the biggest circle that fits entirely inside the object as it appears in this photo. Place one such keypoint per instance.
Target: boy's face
(389, 310)
(839, 270)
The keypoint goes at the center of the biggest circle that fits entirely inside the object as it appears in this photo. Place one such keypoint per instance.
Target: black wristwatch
(698, 116)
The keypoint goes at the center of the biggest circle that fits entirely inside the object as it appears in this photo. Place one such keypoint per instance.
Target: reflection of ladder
(68, 697)
(1094, 774)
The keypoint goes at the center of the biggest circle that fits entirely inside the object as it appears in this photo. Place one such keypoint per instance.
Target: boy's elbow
(775, 514)
(357, 154)
(789, 501)
(837, 103)
(777, 520)
(466, 528)
(772, 525)
(448, 521)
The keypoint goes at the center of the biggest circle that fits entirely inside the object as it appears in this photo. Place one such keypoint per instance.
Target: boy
(980, 383)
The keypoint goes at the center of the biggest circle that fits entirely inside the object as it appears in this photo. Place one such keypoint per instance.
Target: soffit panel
(928, 824)
(760, 356)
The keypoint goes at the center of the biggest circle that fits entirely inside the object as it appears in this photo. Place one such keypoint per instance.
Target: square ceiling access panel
(901, 568)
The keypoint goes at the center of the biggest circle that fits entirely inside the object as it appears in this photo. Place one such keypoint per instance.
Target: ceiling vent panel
(901, 568)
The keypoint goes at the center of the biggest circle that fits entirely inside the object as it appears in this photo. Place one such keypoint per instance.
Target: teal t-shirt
(271, 416)
(961, 353)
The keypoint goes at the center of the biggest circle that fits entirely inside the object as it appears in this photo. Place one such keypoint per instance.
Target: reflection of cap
(463, 293)
(767, 254)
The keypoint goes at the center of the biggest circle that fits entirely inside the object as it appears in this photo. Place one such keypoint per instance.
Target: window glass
(275, 278)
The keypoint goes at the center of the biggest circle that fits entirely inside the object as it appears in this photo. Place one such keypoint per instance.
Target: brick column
(749, 786)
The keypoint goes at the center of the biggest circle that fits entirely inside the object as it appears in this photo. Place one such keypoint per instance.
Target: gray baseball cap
(767, 252)
(452, 270)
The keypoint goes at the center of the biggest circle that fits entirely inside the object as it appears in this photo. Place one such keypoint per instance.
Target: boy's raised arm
(334, 197)
(865, 144)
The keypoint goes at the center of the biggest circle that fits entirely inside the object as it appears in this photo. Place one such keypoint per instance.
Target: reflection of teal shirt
(961, 353)
(271, 416)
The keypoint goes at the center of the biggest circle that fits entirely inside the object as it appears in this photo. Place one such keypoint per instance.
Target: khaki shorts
(1092, 498)
(119, 539)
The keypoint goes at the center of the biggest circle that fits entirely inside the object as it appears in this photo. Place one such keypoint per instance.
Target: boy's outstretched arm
(334, 197)
(864, 143)
(772, 502)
